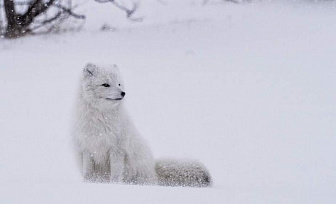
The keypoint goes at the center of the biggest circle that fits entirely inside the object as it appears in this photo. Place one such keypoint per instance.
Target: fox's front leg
(117, 162)
(88, 166)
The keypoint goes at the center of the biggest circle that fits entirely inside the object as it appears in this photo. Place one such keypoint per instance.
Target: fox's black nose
(123, 94)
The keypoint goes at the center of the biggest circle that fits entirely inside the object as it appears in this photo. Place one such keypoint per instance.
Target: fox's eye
(106, 85)
(118, 84)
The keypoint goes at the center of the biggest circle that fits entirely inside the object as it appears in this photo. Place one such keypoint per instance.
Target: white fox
(107, 144)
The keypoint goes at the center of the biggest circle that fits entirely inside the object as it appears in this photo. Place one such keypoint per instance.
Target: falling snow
(247, 89)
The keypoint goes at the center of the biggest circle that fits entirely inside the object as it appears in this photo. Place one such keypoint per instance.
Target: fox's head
(102, 86)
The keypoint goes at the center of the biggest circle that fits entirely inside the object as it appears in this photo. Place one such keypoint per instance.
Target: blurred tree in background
(34, 16)
(22, 17)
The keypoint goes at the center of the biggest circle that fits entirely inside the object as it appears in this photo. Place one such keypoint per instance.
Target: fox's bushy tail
(182, 173)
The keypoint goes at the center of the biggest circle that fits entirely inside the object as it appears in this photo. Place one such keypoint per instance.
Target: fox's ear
(89, 69)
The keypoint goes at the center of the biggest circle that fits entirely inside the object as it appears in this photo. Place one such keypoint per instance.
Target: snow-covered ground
(247, 89)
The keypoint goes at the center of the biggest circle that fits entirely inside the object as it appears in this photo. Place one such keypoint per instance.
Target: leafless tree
(44, 15)
(26, 22)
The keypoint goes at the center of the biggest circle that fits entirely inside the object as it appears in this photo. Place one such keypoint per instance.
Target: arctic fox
(107, 144)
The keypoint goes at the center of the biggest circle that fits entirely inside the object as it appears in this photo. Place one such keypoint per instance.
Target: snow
(247, 89)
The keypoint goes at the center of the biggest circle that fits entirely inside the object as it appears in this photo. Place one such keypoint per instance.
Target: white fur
(107, 144)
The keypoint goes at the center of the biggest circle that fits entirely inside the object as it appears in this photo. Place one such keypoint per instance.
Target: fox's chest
(101, 136)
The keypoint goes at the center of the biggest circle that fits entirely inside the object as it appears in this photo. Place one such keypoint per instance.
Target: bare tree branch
(69, 11)
(129, 12)
(35, 9)
(50, 20)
